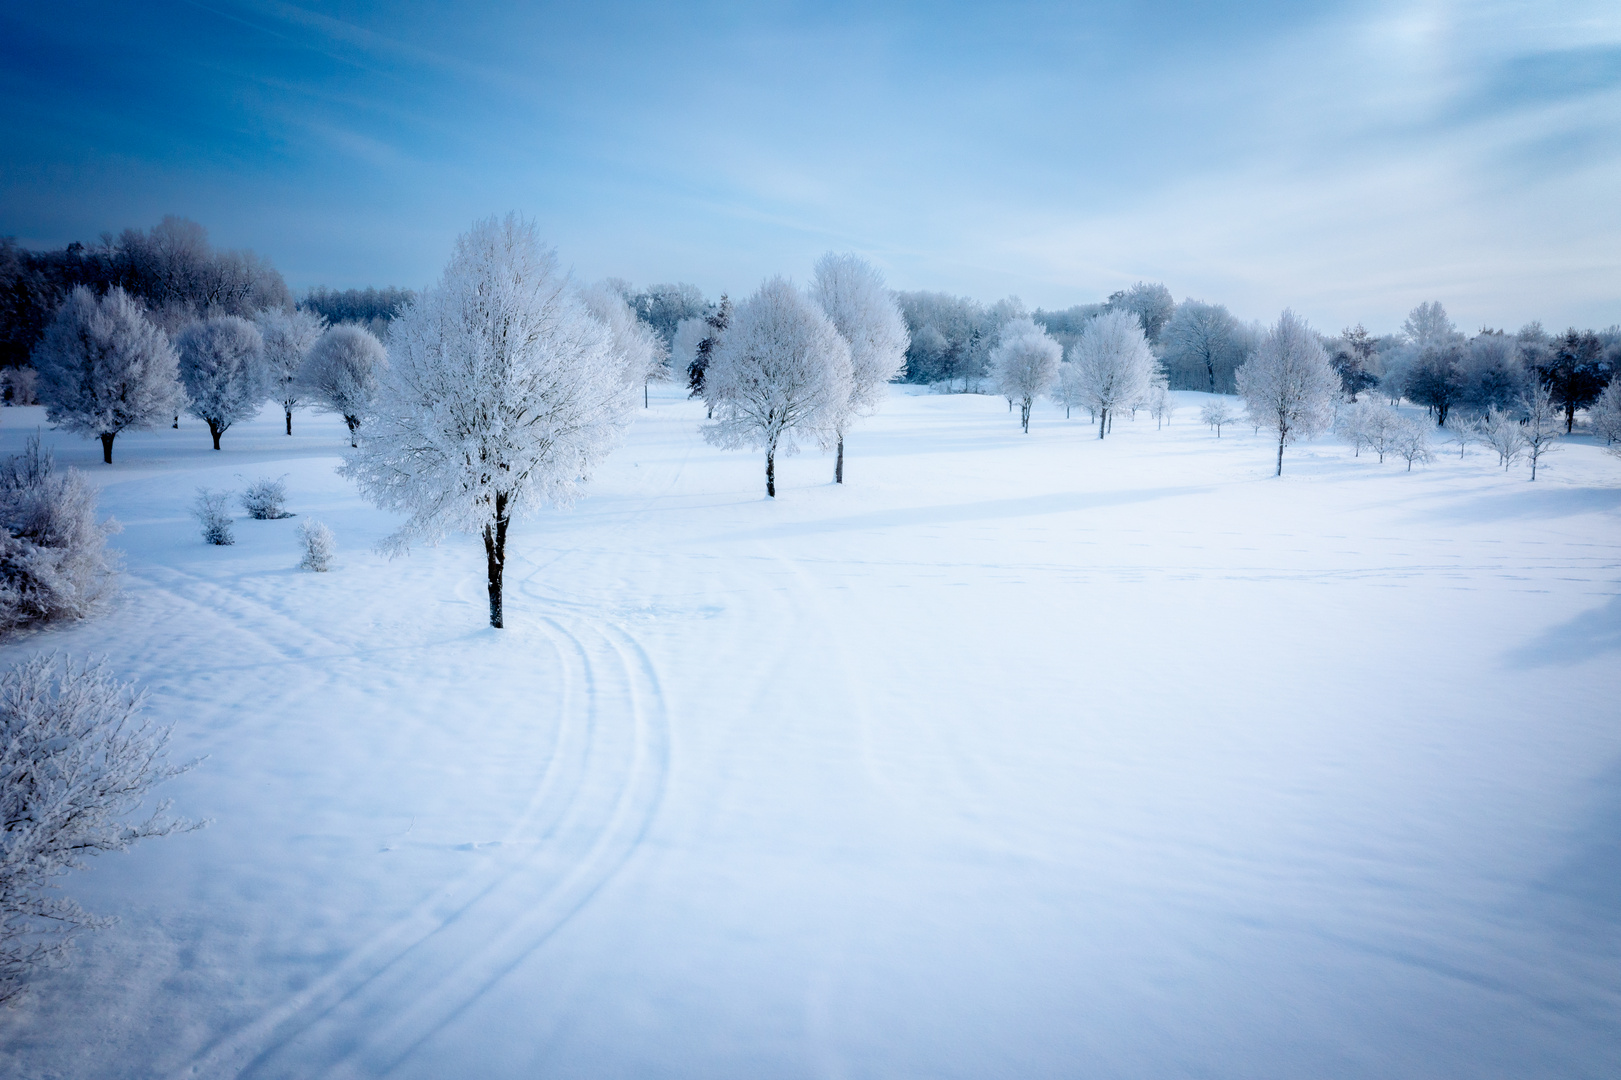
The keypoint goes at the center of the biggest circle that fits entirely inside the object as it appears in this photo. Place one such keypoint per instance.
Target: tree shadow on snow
(1592, 875)
(1591, 633)
(1539, 503)
(980, 511)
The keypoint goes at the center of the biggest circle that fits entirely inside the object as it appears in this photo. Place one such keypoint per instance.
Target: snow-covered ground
(1015, 756)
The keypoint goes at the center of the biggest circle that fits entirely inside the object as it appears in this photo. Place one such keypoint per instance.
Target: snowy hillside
(1014, 756)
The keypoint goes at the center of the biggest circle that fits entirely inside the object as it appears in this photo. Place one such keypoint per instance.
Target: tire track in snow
(383, 950)
(369, 1015)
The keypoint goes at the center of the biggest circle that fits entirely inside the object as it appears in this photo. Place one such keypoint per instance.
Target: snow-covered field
(1016, 756)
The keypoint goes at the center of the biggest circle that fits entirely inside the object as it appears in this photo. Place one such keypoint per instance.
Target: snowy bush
(76, 760)
(319, 546)
(266, 499)
(209, 510)
(54, 562)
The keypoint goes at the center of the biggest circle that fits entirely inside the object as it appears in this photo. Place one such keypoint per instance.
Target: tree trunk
(1024, 415)
(495, 556)
(107, 438)
(1280, 455)
(1570, 417)
(1066, 412)
(1103, 419)
(771, 469)
(354, 426)
(177, 421)
(289, 421)
(215, 430)
(838, 467)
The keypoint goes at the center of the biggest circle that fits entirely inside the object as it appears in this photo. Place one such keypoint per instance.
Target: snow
(1014, 756)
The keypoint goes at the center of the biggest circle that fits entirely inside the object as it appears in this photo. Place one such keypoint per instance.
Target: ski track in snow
(588, 814)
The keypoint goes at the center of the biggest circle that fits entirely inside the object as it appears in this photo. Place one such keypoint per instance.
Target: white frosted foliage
(1024, 364)
(342, 372)
(104, 367)
(222, 367)
(1288, 385)
(1113, 365)
(853, 295)
(501, 395)
(288, 337)
(781, 370)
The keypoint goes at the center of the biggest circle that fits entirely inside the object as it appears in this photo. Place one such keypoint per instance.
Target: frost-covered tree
(1490, 372)
(1429, 325)
(222, 367)
(781, 370)
(1369, 425)
(689, 335)
(1288, 384)
(1024, 365)
(642, 353)
(342, 372)
(77, 758)
(1114, 364)
(1574, 372)
(1501, 431)
(1606, 415)
(1353, 357)
(1203, 345)
(1152, 304)
(853, 295)
(501, 395)
(288, 337)
(1161, 406)
(54, 562)
(1217, 413)
(1540, 430)
(1067, 387)
(1410, 439)
(717, 322)
(104, 368)
(1435, 378)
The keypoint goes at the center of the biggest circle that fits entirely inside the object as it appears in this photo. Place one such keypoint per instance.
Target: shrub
(209, 510)
(319, 546)
(76, 759)
(266, 500)
(54, 562)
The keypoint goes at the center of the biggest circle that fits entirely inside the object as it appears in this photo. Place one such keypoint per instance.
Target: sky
(1347, 160)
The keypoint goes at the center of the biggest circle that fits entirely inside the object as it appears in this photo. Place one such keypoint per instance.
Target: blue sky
(1349, 160)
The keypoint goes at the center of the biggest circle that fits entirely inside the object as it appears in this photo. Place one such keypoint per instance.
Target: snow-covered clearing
(1016, 756)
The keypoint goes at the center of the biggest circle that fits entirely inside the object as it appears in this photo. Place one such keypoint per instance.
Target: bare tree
(1218, 413)
(104, 368)
(781, 370)
(1542, 423)
(1502, 432)
(501, 395)
(1411, 441)
(1288, 384)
